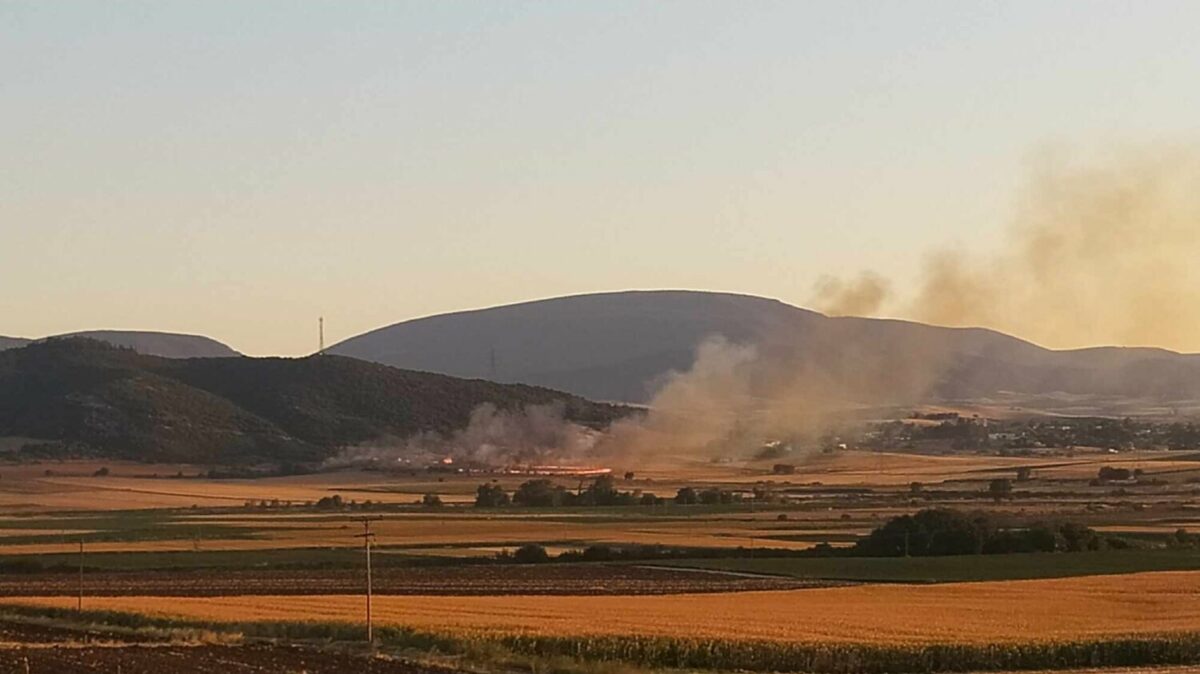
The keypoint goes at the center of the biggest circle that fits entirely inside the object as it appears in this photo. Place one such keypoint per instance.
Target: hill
(619, 346)
(12, 342)
(165, 344)
(114, 402)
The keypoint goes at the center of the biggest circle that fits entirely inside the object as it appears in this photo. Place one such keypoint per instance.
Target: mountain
(165, 344)
(619, 346)
(114, 402)
(12, 342)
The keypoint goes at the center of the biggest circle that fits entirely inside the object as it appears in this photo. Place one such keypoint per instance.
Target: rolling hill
(93, 398)
(165, 344)
(619, 346)
(12, 342)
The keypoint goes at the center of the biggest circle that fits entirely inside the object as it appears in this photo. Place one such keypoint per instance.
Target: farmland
(753, 581)
(493, 580)
(970, 613)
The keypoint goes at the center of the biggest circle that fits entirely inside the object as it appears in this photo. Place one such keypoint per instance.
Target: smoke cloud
(1099, 253)
(533, 435)
(737, 397)
(1102, 253)
(861, 296)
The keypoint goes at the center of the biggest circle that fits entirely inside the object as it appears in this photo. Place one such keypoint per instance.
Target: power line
(79, 601)
(367, 535)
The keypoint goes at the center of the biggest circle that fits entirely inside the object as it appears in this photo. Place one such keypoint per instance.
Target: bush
(331, 503)
(686, 496)
(1000, 487)
(431, 501)
(531, 554)
(942, 531)
(541, 493)
(598, 553)
(491, 496)
(1108, 473)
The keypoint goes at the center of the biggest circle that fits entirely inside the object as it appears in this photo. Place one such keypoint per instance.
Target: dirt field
(40, 649)
(558, 579)
(50, 486)
(127, 659)
(1015, 611)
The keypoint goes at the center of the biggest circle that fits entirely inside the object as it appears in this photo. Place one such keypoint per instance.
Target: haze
(238, 170)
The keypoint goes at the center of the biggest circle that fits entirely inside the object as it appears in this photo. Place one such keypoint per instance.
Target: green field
(958, 568)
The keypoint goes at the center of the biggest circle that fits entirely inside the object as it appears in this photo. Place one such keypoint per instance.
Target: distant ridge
(150, 343)
(12, 342)
(619, 346)
(84, 397)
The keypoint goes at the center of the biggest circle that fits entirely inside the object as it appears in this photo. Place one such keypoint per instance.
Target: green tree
(491, 496)
(540, 493)
(686, 496)
(1000, 488)
(531, 553)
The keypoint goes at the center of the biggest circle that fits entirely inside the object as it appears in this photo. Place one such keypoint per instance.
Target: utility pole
(321, 336)
(79, 602)
(367, 535)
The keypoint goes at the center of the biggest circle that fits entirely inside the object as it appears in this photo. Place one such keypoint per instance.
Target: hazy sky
(239, 168)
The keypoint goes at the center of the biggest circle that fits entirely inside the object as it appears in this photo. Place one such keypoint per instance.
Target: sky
(239, 169)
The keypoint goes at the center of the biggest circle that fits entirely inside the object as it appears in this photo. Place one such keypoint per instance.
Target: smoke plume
(535, 434)
(1103, 253)
(861, 296)
(736, 397)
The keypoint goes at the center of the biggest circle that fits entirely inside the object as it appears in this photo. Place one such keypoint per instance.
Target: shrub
(1108, 473)
(541, 493)
(491, 496)
(531, 553)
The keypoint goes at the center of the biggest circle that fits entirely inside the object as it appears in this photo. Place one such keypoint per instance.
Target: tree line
(602, 491)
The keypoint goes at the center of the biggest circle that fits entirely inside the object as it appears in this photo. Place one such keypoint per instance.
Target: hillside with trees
(81, 397)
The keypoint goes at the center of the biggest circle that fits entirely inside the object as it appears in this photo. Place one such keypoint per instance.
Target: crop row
(709, 654)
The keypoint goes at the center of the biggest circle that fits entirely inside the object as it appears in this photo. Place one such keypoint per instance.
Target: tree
(1108, 473)
(602, 491)
(330, 503)
(431, 501)
(531, 553)
(540, 493)
(936, 531)
(491, 496)
(1024, 474)
(1000, 488)
(686, 496)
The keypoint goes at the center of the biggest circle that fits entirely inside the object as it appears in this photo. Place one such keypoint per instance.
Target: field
(958, 569)
(558, 579)
(66, 651)
(278, 581)
(969, 613)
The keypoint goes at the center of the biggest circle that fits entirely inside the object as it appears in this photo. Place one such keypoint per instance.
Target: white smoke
(492, 436)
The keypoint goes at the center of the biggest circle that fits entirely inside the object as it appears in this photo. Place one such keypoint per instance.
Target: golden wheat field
(71, 485)
(991, 612)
